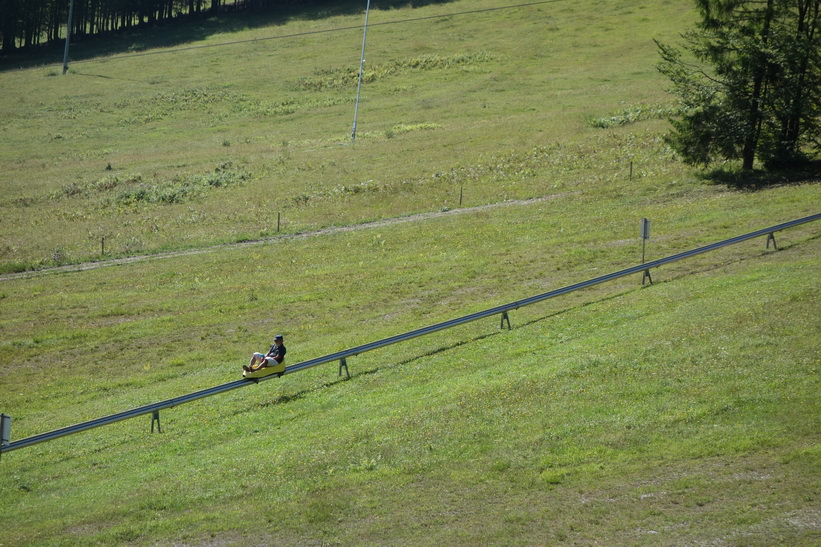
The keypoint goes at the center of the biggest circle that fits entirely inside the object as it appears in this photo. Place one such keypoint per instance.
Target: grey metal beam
(344, 354)
(133, 413)
(541, 297)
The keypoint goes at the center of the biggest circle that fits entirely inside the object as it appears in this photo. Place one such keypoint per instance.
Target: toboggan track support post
(5, 431)
(343, 363)
(505, 318)
(645, 235)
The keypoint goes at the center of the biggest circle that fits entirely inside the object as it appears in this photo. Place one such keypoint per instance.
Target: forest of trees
(27, 23)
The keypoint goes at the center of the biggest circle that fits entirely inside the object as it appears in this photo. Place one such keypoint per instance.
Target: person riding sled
(275, 356)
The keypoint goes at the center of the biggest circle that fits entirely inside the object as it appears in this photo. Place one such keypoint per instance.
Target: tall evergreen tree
(9, 24)
(749, 82)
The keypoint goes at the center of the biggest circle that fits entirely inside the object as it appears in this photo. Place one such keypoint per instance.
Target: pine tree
(749, 83)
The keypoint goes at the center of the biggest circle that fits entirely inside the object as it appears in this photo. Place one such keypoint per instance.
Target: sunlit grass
(678, 412)
(637, 394)
(180, 116)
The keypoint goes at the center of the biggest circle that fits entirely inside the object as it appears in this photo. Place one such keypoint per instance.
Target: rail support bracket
(5, 431)
(343, 363)
(155, 417)
(505, 318)
(771, 237)
(646, 275)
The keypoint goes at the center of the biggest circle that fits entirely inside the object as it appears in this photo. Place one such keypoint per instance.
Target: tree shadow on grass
(187, 29)
(809, 172)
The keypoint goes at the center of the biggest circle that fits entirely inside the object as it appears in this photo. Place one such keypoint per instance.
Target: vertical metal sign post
(68, 35)
(361, 66)
(645, 235)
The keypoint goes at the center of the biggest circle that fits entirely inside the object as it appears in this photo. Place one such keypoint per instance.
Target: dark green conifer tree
(748, 78)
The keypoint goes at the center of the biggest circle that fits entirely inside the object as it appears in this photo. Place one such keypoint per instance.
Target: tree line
(28, 23)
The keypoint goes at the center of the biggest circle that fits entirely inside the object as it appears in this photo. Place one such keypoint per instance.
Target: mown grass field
(685, 412)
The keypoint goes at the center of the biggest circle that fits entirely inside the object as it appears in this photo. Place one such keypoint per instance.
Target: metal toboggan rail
(341, 356)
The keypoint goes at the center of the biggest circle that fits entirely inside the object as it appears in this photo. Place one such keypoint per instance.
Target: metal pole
(68, 35)
(361, 66)
(5, 429)
(645, 235)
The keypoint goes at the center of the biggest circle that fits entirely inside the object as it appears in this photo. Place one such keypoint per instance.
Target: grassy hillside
(207, 145)
(682, 412)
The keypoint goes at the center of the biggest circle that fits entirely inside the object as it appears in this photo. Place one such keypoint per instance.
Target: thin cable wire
(309, 33)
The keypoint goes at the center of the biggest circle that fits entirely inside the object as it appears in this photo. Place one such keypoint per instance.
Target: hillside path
(84, 266)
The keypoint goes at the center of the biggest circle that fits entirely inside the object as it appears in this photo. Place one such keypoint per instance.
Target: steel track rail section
(541, 297)
(357, 350)
(133, 413)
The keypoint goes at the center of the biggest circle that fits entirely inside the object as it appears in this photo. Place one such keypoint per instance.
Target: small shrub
(25, 201)
(633, 114)
(402, 128)
(347, 77)
(72, 189)
(181, 189)
(58, 255)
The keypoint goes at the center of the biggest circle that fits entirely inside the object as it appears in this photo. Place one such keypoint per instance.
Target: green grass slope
(207, 145)
(685, 412)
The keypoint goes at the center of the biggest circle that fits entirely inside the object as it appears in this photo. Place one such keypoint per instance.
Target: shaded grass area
(188, 29)
(756, 180)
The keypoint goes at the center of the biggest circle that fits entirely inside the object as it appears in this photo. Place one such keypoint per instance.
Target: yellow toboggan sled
(278, 368)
